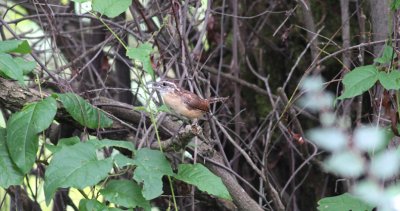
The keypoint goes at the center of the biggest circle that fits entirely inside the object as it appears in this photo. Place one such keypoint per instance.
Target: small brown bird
(184, 102)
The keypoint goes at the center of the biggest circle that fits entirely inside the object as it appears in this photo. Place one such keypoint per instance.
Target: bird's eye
(164, 84)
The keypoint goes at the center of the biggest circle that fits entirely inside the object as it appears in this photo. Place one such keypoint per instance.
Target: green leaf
(202, 178)
(151, 166)
(10, 69)
(9, 173)
(122, 161)
(345, 163)
(387, 56)
(358, 81)
(111, 8)
(63, 142)
(80, 1)
(26, 66)
(15, 46)
(75, 166)
(142, 54)
(22, 130)
(125, 193)
(343, 202)
(116, 143)
(94, 205)
(163, 108)
(395, 4)
(83, 112)
(390, 80)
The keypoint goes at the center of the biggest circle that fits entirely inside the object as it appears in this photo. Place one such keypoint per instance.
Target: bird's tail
(217, 99)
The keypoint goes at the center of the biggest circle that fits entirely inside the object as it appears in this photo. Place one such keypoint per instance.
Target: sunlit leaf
(385, 165)
(142, 54)
(369, 138)
(9, 173)
(15, 46)
(331, 139)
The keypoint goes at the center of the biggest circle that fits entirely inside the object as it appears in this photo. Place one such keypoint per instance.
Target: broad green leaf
(395, 5)
(358, 81)
(390, 80)
(343, 202)
(142, 54)
(345, 163)
(385, 165)
(369, 138)
(203, 179)
(83, 112)
(15, 46)
(26, 66)
(331, 139)
(387, 56)
(125, 193)
(94, 205)
(10, 69)
(22, 130)
(63, 142)
(115, 143)
(151, 166)
(111, 8)
(122, 161)
(9, 173)
(75, 166)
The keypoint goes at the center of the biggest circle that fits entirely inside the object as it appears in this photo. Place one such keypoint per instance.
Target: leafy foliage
(359, 80)
(22, 130)
(202, 178)
(151, 167)
(9, 173)
(83, 112)
(142, 54)
(343, 202)
(75, 166)
(111, 8)
(15, 46)
(126, 193)
(10, 69)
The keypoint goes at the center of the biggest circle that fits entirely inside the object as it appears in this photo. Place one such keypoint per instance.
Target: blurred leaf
(343, 202)
(203, 179)
(151, 167)
(111, 8)
(83, 112)
(358, 81)
(163, 108)
(9, 173)
(385, 164)
(10, 69)
(331, 139)
(80, 1)
(15, 46)
(75, 166)
(395, 5)
(369, 138)
(390, 80)
(346, 164)
(125, 193)
(26, 66)
(369, 191)
(387, 56)
(22, 130)
(142, 54)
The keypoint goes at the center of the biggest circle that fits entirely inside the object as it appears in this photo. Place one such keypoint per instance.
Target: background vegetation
(62, 60)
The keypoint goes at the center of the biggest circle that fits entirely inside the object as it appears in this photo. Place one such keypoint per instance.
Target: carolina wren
(184, 102)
